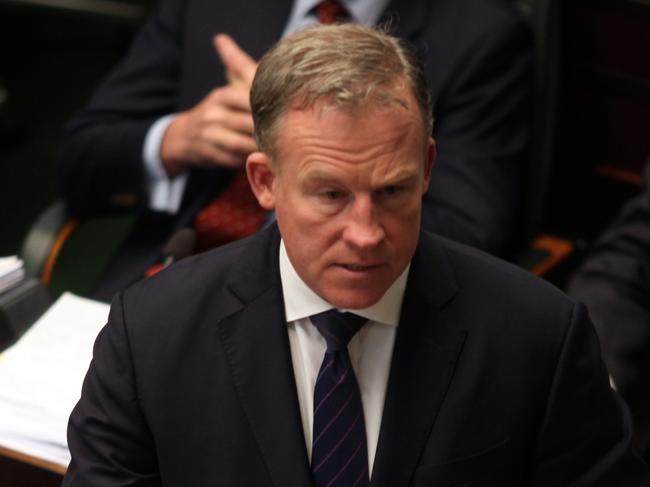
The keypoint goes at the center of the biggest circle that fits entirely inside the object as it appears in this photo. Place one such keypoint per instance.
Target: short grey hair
(347, 65)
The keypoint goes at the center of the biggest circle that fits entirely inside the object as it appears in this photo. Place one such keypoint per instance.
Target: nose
(363, 229)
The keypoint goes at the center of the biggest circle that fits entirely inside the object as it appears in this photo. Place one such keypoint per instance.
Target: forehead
(365, 133)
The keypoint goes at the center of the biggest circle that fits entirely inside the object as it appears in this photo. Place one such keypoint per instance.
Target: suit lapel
(427, 348)
(257, 349)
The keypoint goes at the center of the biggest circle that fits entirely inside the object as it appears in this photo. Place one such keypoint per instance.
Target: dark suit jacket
(478, 57)
(496, 380)
(614, 283)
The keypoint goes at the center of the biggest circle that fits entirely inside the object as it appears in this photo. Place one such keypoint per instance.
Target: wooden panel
(556, 250)
(21, 470)
(611, 38)
(603, 137)
(612, 130)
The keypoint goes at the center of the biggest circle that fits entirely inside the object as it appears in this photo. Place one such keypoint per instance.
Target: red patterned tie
(330, 12)
(231, 215)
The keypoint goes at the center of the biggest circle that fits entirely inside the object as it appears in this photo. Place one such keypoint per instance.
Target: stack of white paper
(12, 270)
(41, 377)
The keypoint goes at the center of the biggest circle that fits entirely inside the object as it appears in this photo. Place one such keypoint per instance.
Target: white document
(41, 377)
(12, 271)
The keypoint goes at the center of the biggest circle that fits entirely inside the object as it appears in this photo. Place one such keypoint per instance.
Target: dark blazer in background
(496, 380)
(478, 56)
(614, 283)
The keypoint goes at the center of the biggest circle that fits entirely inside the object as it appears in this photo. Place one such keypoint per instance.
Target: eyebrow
(401, 176)
(319, 175)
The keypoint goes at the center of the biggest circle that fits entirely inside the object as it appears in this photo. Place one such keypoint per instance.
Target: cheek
(403, 228)
(402, 232)
(308, 234)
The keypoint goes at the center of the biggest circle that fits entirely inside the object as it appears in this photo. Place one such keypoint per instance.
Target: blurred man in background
(169, 130)
(614, 283)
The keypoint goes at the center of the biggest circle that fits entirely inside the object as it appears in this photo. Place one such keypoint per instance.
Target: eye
(390, 190)
(332, 195)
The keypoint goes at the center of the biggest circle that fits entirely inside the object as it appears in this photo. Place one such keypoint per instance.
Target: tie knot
(330, 12)
(337, 328)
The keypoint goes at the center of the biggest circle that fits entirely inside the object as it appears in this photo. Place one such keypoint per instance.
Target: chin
(353, 299)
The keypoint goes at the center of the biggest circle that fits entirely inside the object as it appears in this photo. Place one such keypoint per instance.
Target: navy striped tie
(339, 450)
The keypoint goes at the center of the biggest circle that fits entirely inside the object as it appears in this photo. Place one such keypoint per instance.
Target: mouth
(359, 267)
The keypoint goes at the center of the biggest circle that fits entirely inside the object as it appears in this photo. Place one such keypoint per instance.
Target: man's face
(347, 190)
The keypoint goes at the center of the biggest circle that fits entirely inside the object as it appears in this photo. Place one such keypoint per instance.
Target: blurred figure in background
(168, 132)
(614, 283)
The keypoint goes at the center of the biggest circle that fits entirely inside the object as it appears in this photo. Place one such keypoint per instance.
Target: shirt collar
(365, 12)
(301, 302)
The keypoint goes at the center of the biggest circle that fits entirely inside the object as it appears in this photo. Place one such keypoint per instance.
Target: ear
(429, 159)
(261, 176)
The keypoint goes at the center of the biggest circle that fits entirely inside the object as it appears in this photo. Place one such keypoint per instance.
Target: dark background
(51, 58)
(53, 53)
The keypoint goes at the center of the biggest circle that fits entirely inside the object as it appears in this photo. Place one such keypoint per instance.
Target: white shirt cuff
(165, 194)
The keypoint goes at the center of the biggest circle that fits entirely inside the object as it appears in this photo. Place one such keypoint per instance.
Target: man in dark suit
(462, 369)
(478, 54)
(614, 283)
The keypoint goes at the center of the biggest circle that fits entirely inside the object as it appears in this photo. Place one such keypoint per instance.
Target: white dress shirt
(166, 194)
(371, 349)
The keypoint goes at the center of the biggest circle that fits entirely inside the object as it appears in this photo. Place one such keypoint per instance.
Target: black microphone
(20, 307)
(180, 245)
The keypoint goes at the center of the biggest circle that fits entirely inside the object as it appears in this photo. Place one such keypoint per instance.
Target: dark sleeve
(482, 128)
(101, 166)
(614, 283)
(586, 433)
(108, 438)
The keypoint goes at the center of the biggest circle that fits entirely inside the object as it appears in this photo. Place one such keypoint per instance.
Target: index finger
(239, 65)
